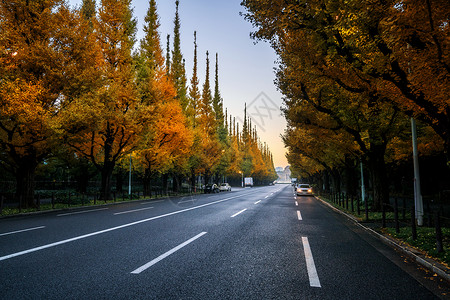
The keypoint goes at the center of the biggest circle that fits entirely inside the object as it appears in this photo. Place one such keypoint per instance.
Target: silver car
(304, 189)
(224, 187)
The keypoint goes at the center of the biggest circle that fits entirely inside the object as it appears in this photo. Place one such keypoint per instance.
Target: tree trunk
(336, 181)
(350, 176)
(378, 174)
(147, 182)
(25, 182)
(165, 185)
(119, 181)
(107, 170)
(326, 181)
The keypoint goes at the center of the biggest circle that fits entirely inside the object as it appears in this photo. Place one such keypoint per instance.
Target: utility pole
(417, 191)
(129, 179)
(363, 189)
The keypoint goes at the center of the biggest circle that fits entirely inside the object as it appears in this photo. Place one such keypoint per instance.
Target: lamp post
(418, 203)
(129, 179)
(242, 178)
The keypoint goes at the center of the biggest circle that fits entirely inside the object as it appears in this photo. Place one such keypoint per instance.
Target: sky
(246, 68)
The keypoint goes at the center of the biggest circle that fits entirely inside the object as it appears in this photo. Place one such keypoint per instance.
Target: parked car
(224, 187)
(304, 189)
(211, 188)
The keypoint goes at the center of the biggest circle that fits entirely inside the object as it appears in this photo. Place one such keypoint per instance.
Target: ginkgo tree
(166, 139)
(338, 59)
(47, 60)
(104, 124)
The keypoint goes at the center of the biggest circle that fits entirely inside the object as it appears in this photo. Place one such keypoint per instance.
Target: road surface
(253, 243)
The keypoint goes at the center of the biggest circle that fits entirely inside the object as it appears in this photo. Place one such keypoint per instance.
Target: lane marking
(296, 203)
(116, 228)
(258, 201)
(23, 230)
(81, 212)
(299, 215)
(134, 210)
(161, 257)
(266, 197)
(310, 266)
(151, 202)
(240, 212)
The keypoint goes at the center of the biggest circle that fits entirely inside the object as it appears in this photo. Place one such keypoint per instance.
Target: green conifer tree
(194, 92)
(177, 66)
(217, 100)
(168, 55)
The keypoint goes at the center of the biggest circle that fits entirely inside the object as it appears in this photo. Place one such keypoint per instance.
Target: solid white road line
(161, 257)
(23, 230)
(151, 202)
(299, 215)
(131, 211)
(240, 212)
(258, 201)
(80, 212)
(310, 266)
(115, 228)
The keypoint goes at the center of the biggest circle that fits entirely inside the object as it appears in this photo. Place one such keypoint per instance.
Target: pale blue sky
(245, 70)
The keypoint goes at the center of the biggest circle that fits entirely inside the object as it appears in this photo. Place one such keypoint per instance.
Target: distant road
(253, 243)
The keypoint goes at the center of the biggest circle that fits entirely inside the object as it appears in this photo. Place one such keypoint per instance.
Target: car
(304, 189)
(224, 187)
(211, 188)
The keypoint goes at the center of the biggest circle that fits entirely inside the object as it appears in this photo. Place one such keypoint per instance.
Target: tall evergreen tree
(206, 114)
(166, 140)
(217, 100)
(194, 92)
(177, 66)
(168, 55)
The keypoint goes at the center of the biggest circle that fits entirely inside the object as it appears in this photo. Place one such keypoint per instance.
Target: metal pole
(417, 192)
(363, 189)
(129, 179)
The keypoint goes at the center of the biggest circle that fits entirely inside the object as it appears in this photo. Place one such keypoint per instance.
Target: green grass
(426, 236)
(426, 241)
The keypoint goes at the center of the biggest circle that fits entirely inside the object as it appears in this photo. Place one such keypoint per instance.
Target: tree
(47, 59)
(330, 58)
(104, 125)
(210, 147)
(397, 49)
(166, 140)
(177, 70)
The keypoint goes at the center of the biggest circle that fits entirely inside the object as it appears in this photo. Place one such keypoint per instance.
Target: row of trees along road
(76, 88)
(352, 74)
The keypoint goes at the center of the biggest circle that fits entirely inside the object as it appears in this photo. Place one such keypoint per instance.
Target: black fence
(400, 212)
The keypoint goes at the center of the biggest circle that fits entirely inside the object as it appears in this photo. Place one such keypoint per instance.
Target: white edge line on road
(299, 215)
(310, 266)
(161, 257)
(23, 230)
(239, 212)
(81, 212)
(131, 211)
(151, 202)
(258, 201)
(114, 228)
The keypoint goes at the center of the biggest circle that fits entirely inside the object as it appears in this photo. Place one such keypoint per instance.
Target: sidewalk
(417, 256)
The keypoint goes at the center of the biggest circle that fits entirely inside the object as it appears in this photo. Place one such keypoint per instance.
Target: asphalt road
(254, 243)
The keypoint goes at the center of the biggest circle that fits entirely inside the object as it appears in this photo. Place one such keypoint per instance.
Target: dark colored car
(211, 188)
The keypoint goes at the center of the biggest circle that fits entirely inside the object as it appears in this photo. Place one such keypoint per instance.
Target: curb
(428, 263)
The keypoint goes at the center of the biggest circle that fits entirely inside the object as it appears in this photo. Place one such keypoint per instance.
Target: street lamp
(242, 178)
